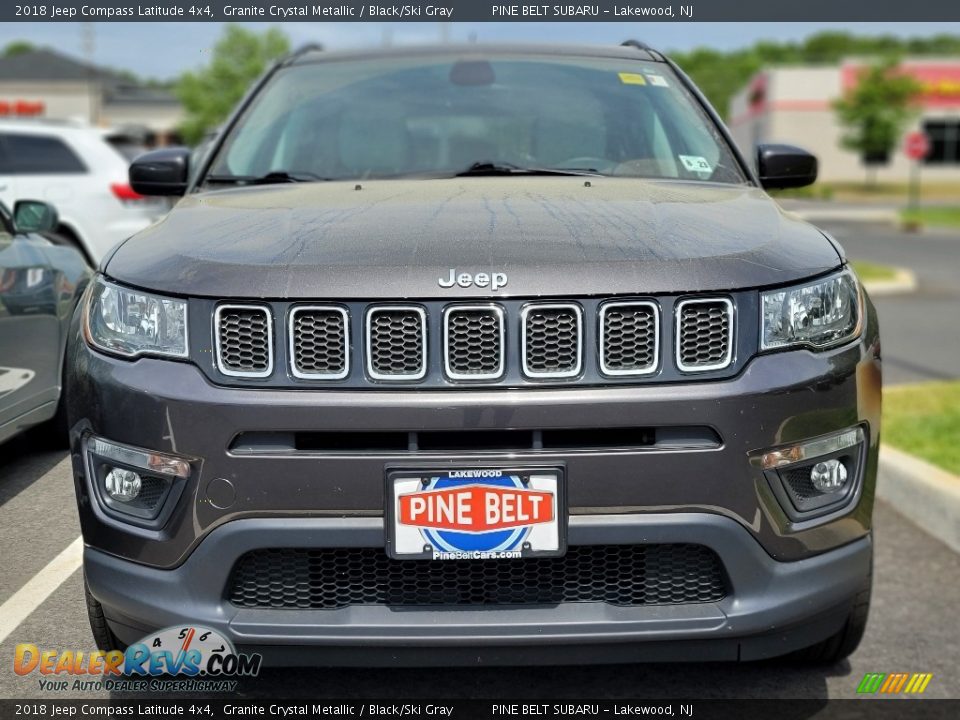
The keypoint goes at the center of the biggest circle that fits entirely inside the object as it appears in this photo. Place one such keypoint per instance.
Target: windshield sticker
(658, 80)
(695, 163)
(632, 79)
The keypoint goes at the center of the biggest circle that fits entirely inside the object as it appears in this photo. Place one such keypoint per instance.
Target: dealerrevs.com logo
(185, 658)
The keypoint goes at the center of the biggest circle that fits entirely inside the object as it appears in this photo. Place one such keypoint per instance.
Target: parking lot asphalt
(912, 627)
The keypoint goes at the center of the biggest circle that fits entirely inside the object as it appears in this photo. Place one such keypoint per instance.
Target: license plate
(475, 514)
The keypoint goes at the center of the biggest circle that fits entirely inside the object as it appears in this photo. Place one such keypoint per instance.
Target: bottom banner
(493, 709)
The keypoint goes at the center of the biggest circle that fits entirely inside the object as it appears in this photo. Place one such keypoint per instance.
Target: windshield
(440, 115)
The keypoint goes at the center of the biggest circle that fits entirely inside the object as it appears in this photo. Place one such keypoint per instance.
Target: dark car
(40, 285)
(482, 354)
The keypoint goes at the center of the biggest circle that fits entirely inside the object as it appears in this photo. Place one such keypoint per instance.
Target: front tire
(102, 634)
(843, 644)
(57, 428)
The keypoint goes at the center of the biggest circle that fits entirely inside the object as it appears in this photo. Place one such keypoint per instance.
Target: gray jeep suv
(478, 353)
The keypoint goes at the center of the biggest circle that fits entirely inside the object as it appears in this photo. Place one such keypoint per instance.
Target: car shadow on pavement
(25, 459)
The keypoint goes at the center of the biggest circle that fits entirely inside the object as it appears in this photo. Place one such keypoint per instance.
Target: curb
(925, 494)
(905, 281)
(940, 231)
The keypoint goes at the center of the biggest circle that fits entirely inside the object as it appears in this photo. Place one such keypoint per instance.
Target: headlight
(131, 322)
(819, 315)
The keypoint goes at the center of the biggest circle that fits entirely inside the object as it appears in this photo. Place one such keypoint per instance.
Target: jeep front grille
(330, 578)
(552, 342)
(473, 342)
(629, 338)
(244, 340)
(396, 342)
(705, 334)
(510, 342)
(319, 346)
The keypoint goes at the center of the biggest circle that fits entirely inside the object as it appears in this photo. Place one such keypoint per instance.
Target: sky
(164, 50)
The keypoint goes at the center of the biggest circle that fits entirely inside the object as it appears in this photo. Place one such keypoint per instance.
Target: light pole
(88, 43)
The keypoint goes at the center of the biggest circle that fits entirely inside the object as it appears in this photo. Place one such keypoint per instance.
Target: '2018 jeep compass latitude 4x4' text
(496, 353)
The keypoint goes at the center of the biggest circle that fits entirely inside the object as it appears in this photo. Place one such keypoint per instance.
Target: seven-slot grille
(552, 342)
(396, 342)
(244, 340)
(705, 334)
(629, 338)
(319, 348)
(476, 340)
(473, 342)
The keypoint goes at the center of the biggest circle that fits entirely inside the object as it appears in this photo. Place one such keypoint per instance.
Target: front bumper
(791, 583)
(171, 407)
(773, 607)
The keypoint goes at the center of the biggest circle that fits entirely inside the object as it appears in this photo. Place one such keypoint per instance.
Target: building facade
(794, 105)
(46, 84)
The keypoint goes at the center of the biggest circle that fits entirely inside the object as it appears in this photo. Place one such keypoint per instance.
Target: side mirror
(34, 216)
(785, 166)
(161, 172)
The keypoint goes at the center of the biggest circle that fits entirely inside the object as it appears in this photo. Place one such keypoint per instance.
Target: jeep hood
(395, 239)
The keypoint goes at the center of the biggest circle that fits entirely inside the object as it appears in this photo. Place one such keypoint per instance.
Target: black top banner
(482, 11)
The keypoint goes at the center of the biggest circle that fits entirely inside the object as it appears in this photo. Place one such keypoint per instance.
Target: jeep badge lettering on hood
(495, 280)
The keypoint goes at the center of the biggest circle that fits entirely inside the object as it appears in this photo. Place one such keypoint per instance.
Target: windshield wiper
(477, 169)
(498, 168)
(271, 178)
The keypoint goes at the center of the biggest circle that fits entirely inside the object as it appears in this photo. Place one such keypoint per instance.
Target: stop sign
(916, 145)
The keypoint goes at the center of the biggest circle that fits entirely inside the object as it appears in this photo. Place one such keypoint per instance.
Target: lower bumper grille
(628, 575)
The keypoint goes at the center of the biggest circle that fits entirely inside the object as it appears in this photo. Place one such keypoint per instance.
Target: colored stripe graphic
(901, 681)
(893, 683)
(889, 683)
(871, 682)
(922, 682)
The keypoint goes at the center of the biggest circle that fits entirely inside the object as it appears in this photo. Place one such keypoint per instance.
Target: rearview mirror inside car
(34, 216)
(161, 172)
(785, 166)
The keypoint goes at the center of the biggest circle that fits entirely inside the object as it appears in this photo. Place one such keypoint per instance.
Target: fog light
(122, 485)
(810, 449)
(828, 476)
(146, 459)
(816, 477)
(136, 485)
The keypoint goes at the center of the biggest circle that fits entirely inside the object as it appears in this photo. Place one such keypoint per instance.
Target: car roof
(313, 54)
(48, 127)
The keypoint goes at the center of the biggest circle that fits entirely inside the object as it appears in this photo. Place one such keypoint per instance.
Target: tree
(721, 74)
(209, 94)
(876, 111)
(828, 46)
(17, 47)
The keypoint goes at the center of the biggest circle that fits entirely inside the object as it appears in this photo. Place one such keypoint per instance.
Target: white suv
(77, 170)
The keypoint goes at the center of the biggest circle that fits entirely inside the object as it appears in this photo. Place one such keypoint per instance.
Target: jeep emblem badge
(493, 280)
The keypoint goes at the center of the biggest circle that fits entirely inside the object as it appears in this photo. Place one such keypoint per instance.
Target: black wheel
(841, 645)
(57, 429)
(102, 634)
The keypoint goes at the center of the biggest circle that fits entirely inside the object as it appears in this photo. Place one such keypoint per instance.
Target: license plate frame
(549, 540)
